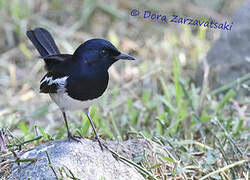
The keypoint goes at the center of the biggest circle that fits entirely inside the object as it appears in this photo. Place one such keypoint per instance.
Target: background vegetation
(154, 97)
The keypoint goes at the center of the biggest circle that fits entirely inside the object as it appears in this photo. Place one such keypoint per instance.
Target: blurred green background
(154, 97)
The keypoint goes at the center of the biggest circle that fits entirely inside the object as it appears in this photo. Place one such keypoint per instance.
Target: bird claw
(78, 139)
(101, 144)
(74, 138)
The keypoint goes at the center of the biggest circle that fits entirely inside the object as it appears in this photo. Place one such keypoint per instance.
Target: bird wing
(77, 88)
(52, 60)
(53, 83)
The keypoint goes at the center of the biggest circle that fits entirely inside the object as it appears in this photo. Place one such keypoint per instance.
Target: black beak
(124, 56)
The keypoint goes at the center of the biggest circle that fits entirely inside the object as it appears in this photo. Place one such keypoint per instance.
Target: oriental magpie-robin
(75, 81)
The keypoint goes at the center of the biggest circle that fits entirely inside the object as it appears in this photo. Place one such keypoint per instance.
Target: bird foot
(101, 144)
(78, 139)
(74, 138)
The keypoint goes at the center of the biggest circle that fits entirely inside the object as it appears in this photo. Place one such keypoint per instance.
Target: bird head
(99, 53)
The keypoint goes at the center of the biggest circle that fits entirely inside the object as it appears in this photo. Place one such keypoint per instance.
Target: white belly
(65, 102)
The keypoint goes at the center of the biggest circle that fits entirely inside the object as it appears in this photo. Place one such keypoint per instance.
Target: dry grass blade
(226, 168)
(143, 170)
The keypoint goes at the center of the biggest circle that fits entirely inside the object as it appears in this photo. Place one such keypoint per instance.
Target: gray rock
(229, 57)
(84, 160)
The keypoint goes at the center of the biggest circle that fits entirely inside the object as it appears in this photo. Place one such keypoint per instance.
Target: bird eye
(104, 53)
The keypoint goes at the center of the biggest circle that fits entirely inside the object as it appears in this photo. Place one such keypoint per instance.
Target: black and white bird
(75, 81)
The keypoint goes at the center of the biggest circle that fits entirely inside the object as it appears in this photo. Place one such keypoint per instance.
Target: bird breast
(65, 102)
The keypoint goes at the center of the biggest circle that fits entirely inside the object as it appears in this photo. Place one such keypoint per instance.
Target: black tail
(43, 41)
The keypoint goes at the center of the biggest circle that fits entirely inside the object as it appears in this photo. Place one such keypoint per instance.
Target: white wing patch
(60, 82)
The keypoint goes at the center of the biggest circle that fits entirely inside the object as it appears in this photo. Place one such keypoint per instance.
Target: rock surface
(84, 160)
(229, 57)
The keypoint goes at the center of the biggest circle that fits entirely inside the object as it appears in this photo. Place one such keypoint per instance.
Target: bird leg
(93, 127)
(3, 147)
(70, 136)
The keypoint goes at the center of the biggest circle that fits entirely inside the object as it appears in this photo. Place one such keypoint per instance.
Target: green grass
(204, 132)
